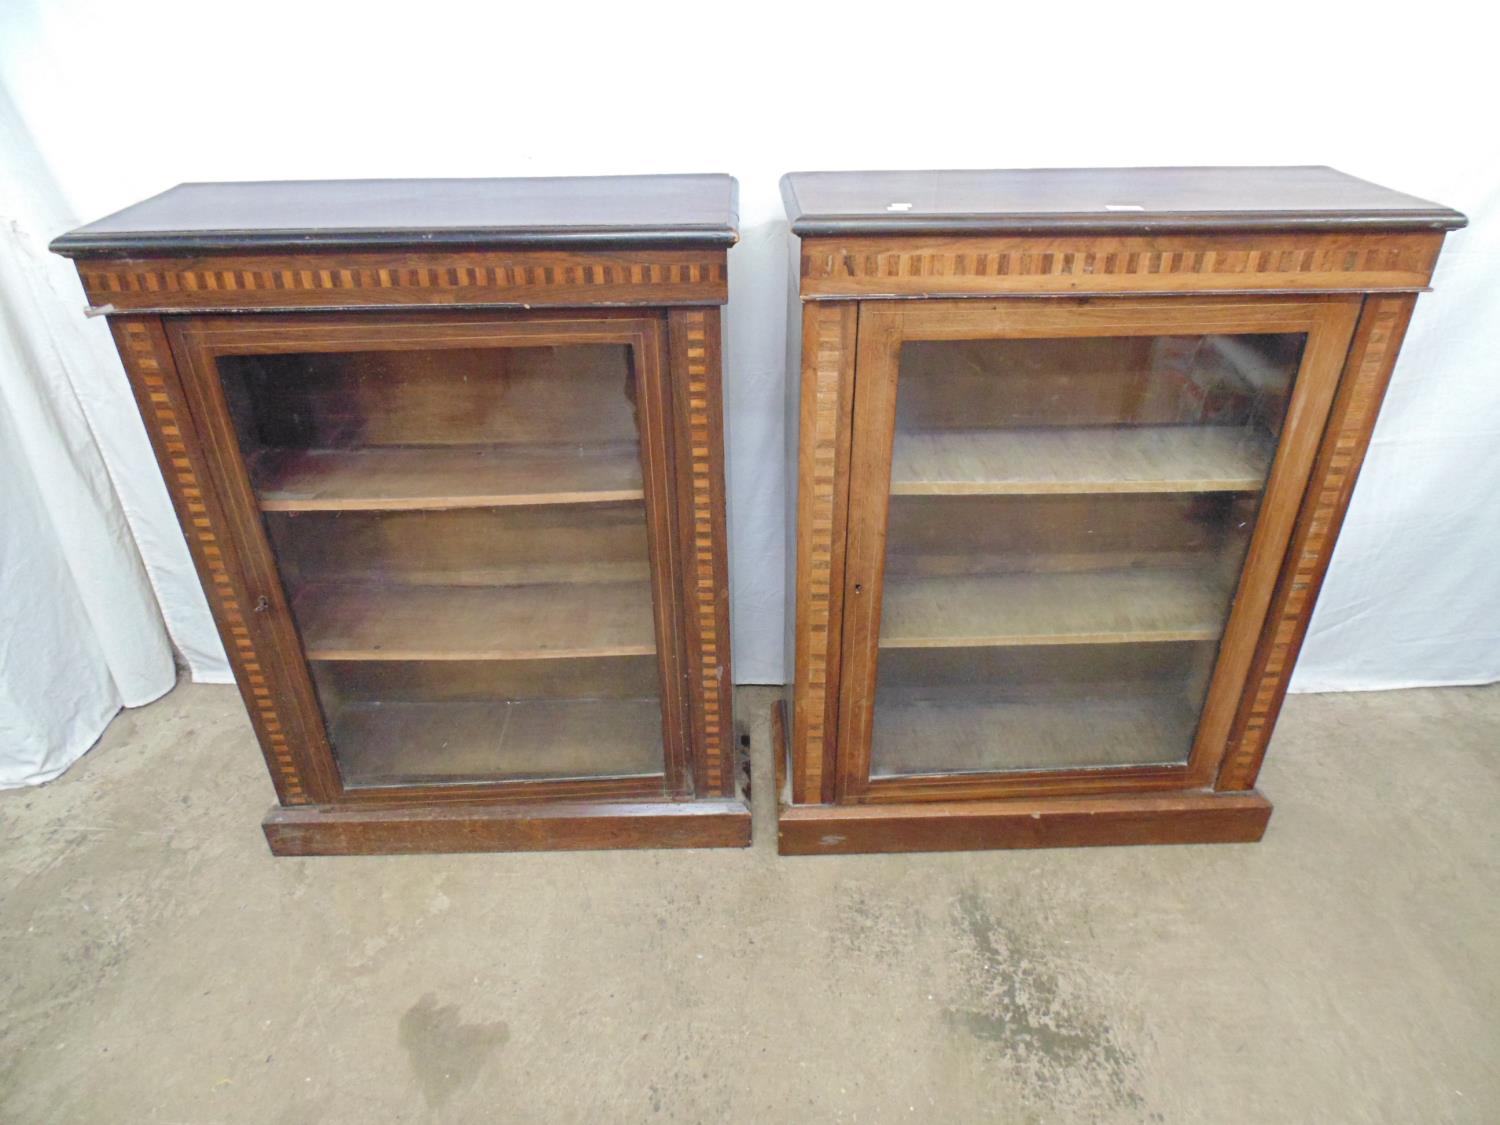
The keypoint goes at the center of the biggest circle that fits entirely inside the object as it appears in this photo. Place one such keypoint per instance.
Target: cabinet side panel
(1367, 372)
(791, 418)
(698, 404)
(828, 344)
(157, 386)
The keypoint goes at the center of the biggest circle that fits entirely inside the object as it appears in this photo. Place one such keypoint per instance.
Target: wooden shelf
(1080, 459)
(390, 743)
(920, 737)
(443, 477)
(1063, 607)
(368, 621)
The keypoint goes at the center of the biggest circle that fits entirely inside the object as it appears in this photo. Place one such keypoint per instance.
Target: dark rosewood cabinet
(1071, 449)
(449, 458)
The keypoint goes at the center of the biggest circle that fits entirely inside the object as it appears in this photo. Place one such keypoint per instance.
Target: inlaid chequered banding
(353, 280)
(1083, 264)
(139, 278)
(1329, 494)
(1062, 263)
(163, 414)
(705, 598)
(814, 714)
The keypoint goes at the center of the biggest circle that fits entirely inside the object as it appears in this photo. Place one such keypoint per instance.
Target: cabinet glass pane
(1067, 522)
(461, 535)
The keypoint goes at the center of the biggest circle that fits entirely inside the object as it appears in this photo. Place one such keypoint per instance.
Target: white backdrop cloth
(80, 631)
(1413, 596)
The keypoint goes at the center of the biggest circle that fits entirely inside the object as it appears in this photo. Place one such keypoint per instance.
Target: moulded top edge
(599, 212)
(1101, 201)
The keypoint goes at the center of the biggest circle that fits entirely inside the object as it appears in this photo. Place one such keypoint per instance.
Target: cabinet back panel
(1062, 671)
(473, 547)
(1093, 381)
(580, 393)
(623, 677)
(993, 710)
(990, 534)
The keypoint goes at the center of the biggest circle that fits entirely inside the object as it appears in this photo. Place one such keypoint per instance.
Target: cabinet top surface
(1100, 200)
(565, 212)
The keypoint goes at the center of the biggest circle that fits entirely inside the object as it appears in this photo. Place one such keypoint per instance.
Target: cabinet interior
(462, 538)
(1065, 530)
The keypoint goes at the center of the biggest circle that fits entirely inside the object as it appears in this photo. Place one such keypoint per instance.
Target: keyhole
(262, 604)
(859, 587)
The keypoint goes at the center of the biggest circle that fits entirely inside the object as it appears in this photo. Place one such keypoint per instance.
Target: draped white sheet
(81, 633)
(1413, 596)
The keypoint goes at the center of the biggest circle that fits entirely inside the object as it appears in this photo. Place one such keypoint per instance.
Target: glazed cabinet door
(462, 526)
(1066, 518)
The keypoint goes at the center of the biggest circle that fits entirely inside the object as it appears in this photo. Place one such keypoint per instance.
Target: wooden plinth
(1048, 822)
(573, 826)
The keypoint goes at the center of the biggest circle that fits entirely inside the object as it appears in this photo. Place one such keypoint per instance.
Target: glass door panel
(1067, 521)
(462, 537)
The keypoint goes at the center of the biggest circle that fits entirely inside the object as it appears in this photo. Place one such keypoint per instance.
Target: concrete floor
(157, 965)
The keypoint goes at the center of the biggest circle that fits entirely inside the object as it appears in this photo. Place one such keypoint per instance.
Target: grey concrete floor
(157, 965)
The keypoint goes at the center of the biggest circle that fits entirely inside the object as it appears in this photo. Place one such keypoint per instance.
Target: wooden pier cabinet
(448, 455)
(1070, 452)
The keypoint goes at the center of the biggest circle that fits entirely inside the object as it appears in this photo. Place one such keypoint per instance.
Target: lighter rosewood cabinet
(1070, 452)
(449, 459)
